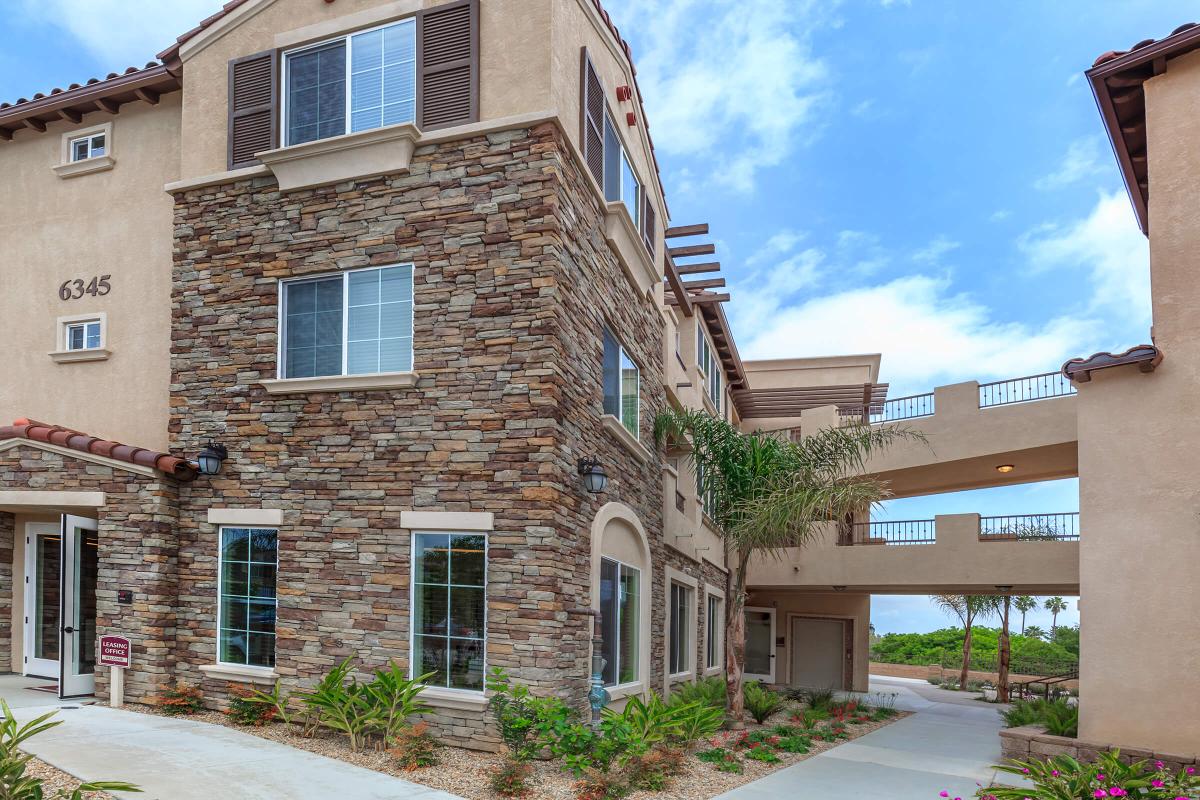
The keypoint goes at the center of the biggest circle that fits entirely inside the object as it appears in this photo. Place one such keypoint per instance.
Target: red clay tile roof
(1116, 78)
(1146, 356)
(174, 466)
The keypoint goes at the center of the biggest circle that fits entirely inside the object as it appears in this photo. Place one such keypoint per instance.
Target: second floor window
(83, 335)
(355, 83)
(621, 385)
(352, 323)
(85, 147)
(710, 367)
(620, 182)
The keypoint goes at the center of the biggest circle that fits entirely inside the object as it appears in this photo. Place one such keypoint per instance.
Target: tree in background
(1034, 632)
(1055, 605)
(767, 493)
(1005, 654)
(1024, 604)
(967, 609)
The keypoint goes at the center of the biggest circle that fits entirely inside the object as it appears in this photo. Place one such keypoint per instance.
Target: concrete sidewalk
(178, 759)
(949, 744)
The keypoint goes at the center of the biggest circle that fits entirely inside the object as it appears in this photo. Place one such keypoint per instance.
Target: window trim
(67, 168)
(63, 355)
(638, 634)
(714, 635)
(685, 653)
(446, 691)
(221, 664)
(674, 575)
(636, 433)
(89, 138)
(285, 68)
(281, 384)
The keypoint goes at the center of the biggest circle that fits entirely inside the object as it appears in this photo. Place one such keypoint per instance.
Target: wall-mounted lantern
(211, 457)
(594, 476)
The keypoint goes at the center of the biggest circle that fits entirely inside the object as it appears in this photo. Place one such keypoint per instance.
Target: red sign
(114, 651)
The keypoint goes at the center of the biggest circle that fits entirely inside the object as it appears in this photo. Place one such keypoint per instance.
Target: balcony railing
(1023, 390)
(912, 531)
(1060, 527)
(911, 407)
(1031, 527)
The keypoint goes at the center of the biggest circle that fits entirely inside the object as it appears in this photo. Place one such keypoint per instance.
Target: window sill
(232, 672)
(87, 166)
(366, 154)
(341, 383)
(460, 699)
(621, 434)
(75, 356)
(626, 241)
(680, 677)
(624, 690)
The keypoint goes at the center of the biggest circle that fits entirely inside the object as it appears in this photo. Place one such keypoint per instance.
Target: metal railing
(911, 407)
(1023, 390)
(1063, 527)
(911, 531)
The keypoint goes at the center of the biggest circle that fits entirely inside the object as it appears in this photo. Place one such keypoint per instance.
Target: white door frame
(39, 667)
(753, 676)
(74, 629)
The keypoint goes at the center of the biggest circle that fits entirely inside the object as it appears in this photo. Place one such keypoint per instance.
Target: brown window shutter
(448, 65)
(648, 229)
(253, 99)
(592, 115)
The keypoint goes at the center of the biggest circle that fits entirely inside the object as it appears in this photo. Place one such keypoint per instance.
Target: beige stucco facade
(115, 222)
(1138, 463)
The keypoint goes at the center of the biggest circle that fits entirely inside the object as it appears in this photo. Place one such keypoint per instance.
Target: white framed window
(714, 625)
(92, 145)
(622, 385)
(248, 565)
(710, 367)
(353, 83)
(358, 322)
(679, 634)
(620, 181)
(449, 609)
(85, 335)
(620, 612)
(708, 496)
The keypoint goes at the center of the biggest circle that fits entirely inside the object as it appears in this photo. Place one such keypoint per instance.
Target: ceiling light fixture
(1005, 468)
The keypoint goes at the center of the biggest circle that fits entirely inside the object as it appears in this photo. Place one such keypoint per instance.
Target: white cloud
(1000, 215)
(926, 333)
(932, 253)
(737, 88)
(1082, 160)
(1106, 245)
(121, 33)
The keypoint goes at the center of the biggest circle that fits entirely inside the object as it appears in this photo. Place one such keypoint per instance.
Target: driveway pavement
(949, 744)
(177, 759)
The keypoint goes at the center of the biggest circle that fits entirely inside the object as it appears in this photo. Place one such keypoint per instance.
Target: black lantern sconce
(594, 476)
(211, 457)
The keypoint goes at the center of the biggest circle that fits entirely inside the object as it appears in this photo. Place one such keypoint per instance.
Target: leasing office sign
(115, 652)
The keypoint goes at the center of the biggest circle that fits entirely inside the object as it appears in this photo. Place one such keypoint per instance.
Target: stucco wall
(852, 607)
(117, 223)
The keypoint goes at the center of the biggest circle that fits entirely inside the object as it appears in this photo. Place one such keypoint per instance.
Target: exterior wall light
(1005, 468)
(210, 458)
(594, 476)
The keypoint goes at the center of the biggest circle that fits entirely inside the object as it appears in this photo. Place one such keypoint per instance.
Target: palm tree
(1005, 648)
(968, 609)
(768, 493)
(1024, 604)
(1055, 605)
(1034, 632)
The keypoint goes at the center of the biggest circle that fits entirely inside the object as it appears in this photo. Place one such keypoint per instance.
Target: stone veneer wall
(7, 531)
(1031, 743)
(513, 281)
(136, 552)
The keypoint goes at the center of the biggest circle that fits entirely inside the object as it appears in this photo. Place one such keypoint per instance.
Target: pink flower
(1100, 776)
(1158, 765)
(1191, 770)
(1117, 791)
(1054, 772)
(1157, 783)
(1099, 793)
(943, 793)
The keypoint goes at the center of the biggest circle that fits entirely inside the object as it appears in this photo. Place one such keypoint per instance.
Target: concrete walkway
(178, 759)
(950, 744)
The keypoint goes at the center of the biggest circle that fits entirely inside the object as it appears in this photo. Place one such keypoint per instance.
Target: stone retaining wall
(1033, 743)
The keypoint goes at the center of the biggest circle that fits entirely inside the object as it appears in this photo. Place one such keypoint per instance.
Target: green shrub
(14, 785)
(340, 702)
(761, 702)
(392, 697)
(1058, 718)
(653, 770)
(183, 700)
(793, 744)
(1064, 778)
(698, 721)
(809, 717)
(764, 753)
(723, 759)
(709, 692)
(511, 779)
(819, 699)
(516, 715)
(276, 700)
(601, 785)
(244, 710)
(785, 730)
(652, 721)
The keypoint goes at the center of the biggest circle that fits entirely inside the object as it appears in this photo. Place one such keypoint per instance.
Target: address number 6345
(77, 288)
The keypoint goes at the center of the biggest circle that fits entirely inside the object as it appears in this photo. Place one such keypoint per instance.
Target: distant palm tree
(967, 609)
(1055, 605)
(1024, 604)
(1005, 649)
(1034, 632)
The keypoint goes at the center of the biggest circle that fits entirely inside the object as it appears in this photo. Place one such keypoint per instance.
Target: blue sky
(928, 180)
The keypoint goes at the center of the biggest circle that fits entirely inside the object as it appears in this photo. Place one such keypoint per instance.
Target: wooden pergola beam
(692, 250)
(709, 298)
(686, 230)
(696, 269)
(710, 283)
(678, 296)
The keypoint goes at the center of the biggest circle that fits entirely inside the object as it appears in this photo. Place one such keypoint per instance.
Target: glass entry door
(77, 610)
(43, 576)
(760, 644)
